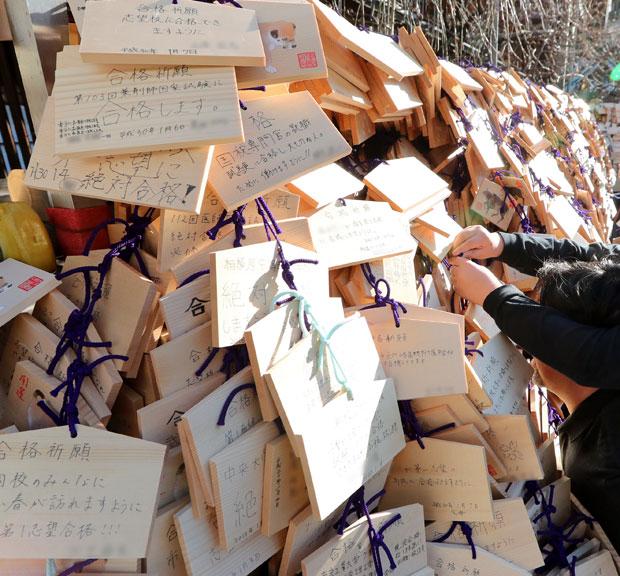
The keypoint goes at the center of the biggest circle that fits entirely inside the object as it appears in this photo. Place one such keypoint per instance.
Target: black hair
(587, 292)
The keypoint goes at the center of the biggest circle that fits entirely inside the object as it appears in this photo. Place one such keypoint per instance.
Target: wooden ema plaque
(423, 358)
(510, 535)
(448, 559)
(172, 179)
(164, 555)
(105, 109)
(404, 538)
(84, 497)
(505, 375)
(245, 280)
(448, 478)
(286, 136)
(335, 461)
(205, 438)
(359, 231)
(53, 312)
(21, 285)
(182, 235)
(160, 32)
(291, 41)
(204, 557)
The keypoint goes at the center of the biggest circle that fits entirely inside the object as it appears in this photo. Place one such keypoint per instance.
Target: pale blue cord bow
(305, 311)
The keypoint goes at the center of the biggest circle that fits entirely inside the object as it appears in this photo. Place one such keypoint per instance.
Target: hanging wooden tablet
(325, 185)
(204, 557)
(270, 339)
(53, 312)
(237, 474)
(187, 307)
(286, 137)
(290, 37)
(21, 285)
(105, 109)
(107, 482)
(306, 534)
(30, 385)
(176, 363)
(380, 50)
(446, 559)
(448, 478)
(28, 339)
(599, 564)
(404, 538)
(481, 322)
(469, 434)
(423, 358)
(245, 280)
(166, 178)
(183, 235)
(158, 421)
(397, 271)
(164, 33)
(511, 438)
(164, 553)
(509, 536)
(493, 204)
(284, 488)
(173, 482)
(127, 301)
(405, 183)
(505, 375)
(460, 404)
(205, 438)
(358, 231)
(317, 385)
(347, 442)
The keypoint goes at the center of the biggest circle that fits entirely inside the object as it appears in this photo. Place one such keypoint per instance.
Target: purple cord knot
(467, 532)
(77, 567)
(412, 427)
(464, 120)
(222, 418)
(382, 300)
(236, 218)
(377, 543)
(470, 350)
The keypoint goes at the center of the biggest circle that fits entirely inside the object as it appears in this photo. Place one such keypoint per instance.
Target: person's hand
(472, 281)
(477, 242)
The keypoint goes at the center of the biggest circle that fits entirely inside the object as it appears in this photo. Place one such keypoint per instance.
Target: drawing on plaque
(276, 35)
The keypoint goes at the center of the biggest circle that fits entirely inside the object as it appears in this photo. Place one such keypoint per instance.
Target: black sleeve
(586, 354)
(527, 252)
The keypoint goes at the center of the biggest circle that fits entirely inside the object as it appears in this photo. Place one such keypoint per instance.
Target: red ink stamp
(307, 60)
(29, 284)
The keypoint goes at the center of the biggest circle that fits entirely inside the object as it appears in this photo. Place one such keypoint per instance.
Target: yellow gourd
(24, 237)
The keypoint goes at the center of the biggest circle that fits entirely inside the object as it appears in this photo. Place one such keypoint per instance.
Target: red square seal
(307, 60)
(29, 284)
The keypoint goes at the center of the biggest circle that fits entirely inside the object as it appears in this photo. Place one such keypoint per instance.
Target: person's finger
(474, 253)
(456, 261)
(468, 244)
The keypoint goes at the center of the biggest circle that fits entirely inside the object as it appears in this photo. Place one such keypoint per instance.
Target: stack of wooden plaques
(265, 379)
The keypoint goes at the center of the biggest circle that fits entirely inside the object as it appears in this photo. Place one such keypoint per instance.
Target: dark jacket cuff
(510, 246)
(496, 298)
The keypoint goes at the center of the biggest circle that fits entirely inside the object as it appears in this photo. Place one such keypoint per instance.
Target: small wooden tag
(120, 109)
(347, 442)
(359, 231)
(164, 33)
(284, 488)
(270, 339)
(204, 557)
(448, 478)
(511, 438)
(107, 482)
(21, 285)
(505, 375)
(423, 358)
(325, 185)
(205, 438)
(245, 280)
(164, 553)
(167, 178)
(404, 538)
(446, 559)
